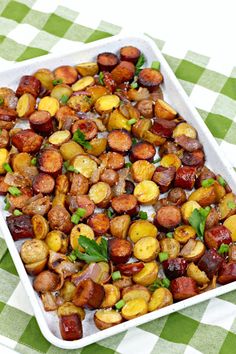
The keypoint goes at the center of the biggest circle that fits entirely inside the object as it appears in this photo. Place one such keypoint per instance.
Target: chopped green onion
(142, 117)
(110, 213)
(100, 78)
(134, 85)
(207, 182)
(64, 99)
(163, 256)
(1, 101)
(132, 121)
(79, 137)
(120, 304)
(128, 164)
(169, 234)
(134, 141)
(116, 275)
(223, 248)
(231, 204)
(33, 161)
(57, 82)
(143, 215)
(166, 282)
(72, 257)
(17, 212)
(71, 169)
(156, 161)
(14, 191)
(118, 90)
(156, 65)
(7, 167)
(81, 212)
(75, 218)
(7, 205)
(221, 181)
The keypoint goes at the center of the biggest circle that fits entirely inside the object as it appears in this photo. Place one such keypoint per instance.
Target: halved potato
(98, 146)
(57, 241)
(107, 103)
(146, 249)
(230, 223)
(187, 209)
(219, 191)
(20, 161)
(59, 199)
(68, 308)
(161, 297)
(40, 226)
(84, 165)
(140, 229)
(123, 282)
(193, 250)
(184, 129)
(9, 97)
(61, 90)
(152, 138)
(107, 318)
(170, 160)
(86, 69)
(112, 295)
(170, 246)
(80, 103)
(116, 120)
(81, 84)
(67, 292)
(164, 110)
(3, 159)
(135, 292)
(49, 104)
(134, 308)
(60, 137)
(46, 77)
(204, 196)
(70, 149)
(142, 170)
(147, 192)
(227, 206)
(141, 127)
(80, 229)
(96, 92)
(183, 233)
(147, 275)
(100, 194)
(25, 105)
(36, 267)
(195, 273)
(119, 226)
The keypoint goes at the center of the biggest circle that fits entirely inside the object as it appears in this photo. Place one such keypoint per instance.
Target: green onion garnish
(132, 121)
(57, 82)
(143, 215)
(34, 161)
(163, 256)
(207, 182)
(120, 304)
(7, 167)
(17, 212)
(64, 99)
(116, 275)
(156, 65)
(223, 248)
(14, 191)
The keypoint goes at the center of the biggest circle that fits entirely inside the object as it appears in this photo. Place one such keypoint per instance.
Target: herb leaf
(224, 248)
(79, 137)
(94, 252)
(198, 220)
(140, 62)
(159, 283)
(100, 78)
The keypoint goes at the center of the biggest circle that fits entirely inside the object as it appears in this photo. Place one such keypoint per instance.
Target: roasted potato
(60, 137)
(80, 229)
(20, 161)
(86, 69)
(68, 308)
(100, 194)
(49, 104)
(146, 249)
(147, 275)
(170, 246)
(198, 275)
(117, 120)
(60, 91)
(204, 196)
(46, 77)
(227, 206)
(142, 170)
(161, 297)
(9, 97)
(193, 250)
(83, 83)
(25, 105)
(184, 129)
(230, 223)
(107, 318)
(80, 103)
(140, 229)
(183, 233)
(84, 164)
(34, 254)
(164, 110)
(135, 292)
(57, 241)
(107, 103)
(70, 149)
(187, 209)
(40, 226)
(112, 295)
(68, 290)
(147, 192)
(98, 146)
(134, 308)
(3, 159)
(170, 160)
(119, 226)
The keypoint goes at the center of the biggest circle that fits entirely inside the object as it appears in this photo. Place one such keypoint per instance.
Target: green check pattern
(210, 327)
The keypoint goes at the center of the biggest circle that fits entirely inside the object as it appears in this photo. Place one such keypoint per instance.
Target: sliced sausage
(59, 219)
(84, 202)
(129, 187)
(109, 176)
(43, 183)
(100, 223)
(7, 118)
(130, 53)
(18, 202)
(3, 186)
(109, 82)
(163, 127)
(79, 184)
(119, 140)
(210, 262)
(20, 227)
(145, 108)
(185, 177)
(29, 84)
(87, 127)
(183, 288)
(107, 61)
(195, 158)
(142, 151)
(227, 273)
(168, 216)
(205, 173)
(124, 71)
(27, 141)
(189, 144)
(119, 250)
(169, 147)
(41, 122)
(163, 176)
(50, 161)
(125, 204)
(174, 267)
(150, 78)
(130, 269)
(217, 235)
(212, 219)
(177, 196)
(88, 294)
(115, 161)
(68, 74)
(71, 327)
(4, 138)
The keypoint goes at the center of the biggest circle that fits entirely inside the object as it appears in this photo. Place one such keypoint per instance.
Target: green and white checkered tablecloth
(27, 31)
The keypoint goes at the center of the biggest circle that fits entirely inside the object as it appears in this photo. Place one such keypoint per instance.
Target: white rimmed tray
(176, 96)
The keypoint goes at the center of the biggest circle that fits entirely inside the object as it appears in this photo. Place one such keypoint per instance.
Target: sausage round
(107, 61)
(195, 158)
(177, 196)
(50, 161)
(84, 202)
(124, 71)
(59, 219)
(100, 223)
(163, 176)
(217, 235)
(87, 127)
(71, 327)
(142, 151)
(109, 82)
(27, 141)
(109, 176)
(189, 144)
(169, 147)
(41, 122)
(145, 108)
(79, 184)
(29, 84)
(130, 269)
(7, 118)
(163, 127)
(185, 177)
(206, 173)
(168, 216)
(227, 273)
(174, 267)
(88, 294)
(210, 262)
(115, 160)
(68, 74)
(119, 250)
(43, 183)
(183, 288)
(130, 53)
(119, 140)
(150, 78)
(125, 204)
(20, 227)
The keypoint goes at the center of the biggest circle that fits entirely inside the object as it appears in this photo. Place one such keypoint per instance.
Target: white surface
(134, 340)
(178, 98)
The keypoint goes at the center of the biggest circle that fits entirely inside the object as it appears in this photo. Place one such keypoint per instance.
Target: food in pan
(108, 193)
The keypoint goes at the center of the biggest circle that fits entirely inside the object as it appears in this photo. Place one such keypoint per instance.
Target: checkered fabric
(27, 31)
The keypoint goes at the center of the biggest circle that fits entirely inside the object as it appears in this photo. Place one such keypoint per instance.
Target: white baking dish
(175, 94)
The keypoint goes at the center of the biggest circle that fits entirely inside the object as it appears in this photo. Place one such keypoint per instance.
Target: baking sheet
(175, 95)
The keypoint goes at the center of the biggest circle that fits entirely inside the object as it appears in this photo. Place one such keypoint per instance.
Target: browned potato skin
(204, 196)
(46, 281)
(99, 223)
(123, 282)
(62, 184)
(104, 324)
(79, 184)
(7, 118)
(88, 294)
(109, 176)
(27, 141)
(68, 74)
(119, 226)
(59, 219)
(120, 250)
(9, 97)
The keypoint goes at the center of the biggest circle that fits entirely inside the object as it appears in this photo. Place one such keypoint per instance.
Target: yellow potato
(142, 170)
(147, 275)
(57, 241)
(81, 84)
(187, 209)
(3, 159)
(68, 290)
(21, 161)
(219, 191)
(80, 229)
(184, 129)
(183, 233)
(100, 194)
(107, 318)
(147, 192)
(195, 273)
(96, 92)
(70, 149)
(84, 165)
(146, 249)
(161, 297)
(98, 146)
(164, 110)
(119, 226)
(230, 223)
(141, 127)
(170, 246)
(40, 226)
(116, 120)
(123, 282)
(153, 138)
(68, 308)
(9, 97)
(204, 196)
(61, 90)
(140, 229)
(62, 184)
(34, 254)
(80, 103)
(193, 250)
(134, 292)
(112, 295)
(25, 105)
(170, 160)
(59, 199)
(86, 69)
(60, 137)
(134, 308)
(227, 206)
(49, 104)
(46, 77)
(107, 103)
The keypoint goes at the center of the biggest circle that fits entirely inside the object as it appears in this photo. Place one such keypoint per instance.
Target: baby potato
(193, 250)
(84, 165)
(170, 160)
(98, 146)
(183, 233)
(123, 282)
(147, 192)
(112, 295)
(147, 275)
(20, 161)
(116, 120)
(195, 273)
(61, 90)
(146, 249)
(68, 308)
(135, 292)
(80, 103)
(46, 281)
(81, 84)
(59, 199)
(46, 77)
(107, 318)
(142, 170)
(227, 205)
(140, 229)
(107, 103)
(187, 209)
(25, 105)
(219, 191)
(154, 139)
(40, 226)
(230, 223)
(67, 292)
(134, 308)
(140, 127)
(3, 159)
(100, 194)
(164, 110)
(62, 184)
(70, 149)
(49, 104)
(9, 97)
(204, 196)
(80, 229)
(57, 241)
(87, 69)
(170, 246)
(184, 129)
(34, 254)
(96, 91)
(161, 297)
(119, 226)
(60, 137)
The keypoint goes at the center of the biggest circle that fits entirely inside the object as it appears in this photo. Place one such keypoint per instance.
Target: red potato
(115, 161)
(130, 269)
(43, 183)
(7, 118)
(20, 227)
(107, 61)
(195, 158)
(79, 184)
(27, 141)
(124, 71)
(29, 84)
(125, 204)
(163, 177)
(210, 262)
(145, 107)
(177, 196)
(110, 177)
(185, 177)
(87, 127)
(41, 122)
(109, 82)
(88, 294)
(168, 216)
(4, 138)
(71, 327)
(59, 219)
(174, 267)
(84, 202)
(120, 250)
(119, 140)
(183, 288)
(130, 53)
(50, 161)
(163, 127)
(68, 74)
(227, 273)
(142, 151)
(100, 223)
(217, 235)
(150, 78)
(189, 144)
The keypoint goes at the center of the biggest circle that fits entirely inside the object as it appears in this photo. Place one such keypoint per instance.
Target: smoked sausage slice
(20, 227)
(88, 294)
(125, 204)
(41, 122)
(50, 161)
(43, 183)
(150, 78)
(130, 53)
(185, 177)
(168, 216)
(100, 223)
(142, 151)
(119, 140)
(27, 141)
(183, 288)
(120, 250)
(29, 84)
(107, 61)
(71, 327)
